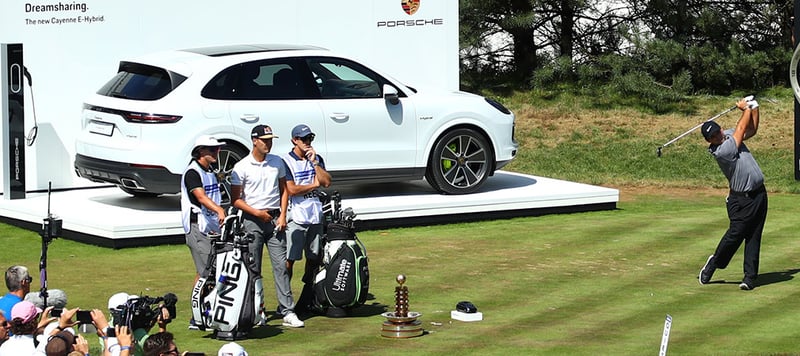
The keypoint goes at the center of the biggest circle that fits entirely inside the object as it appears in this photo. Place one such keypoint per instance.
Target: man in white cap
(232, 349)
(201, 213)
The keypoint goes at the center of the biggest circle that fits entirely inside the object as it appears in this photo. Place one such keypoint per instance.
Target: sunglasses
(307, 139)
(28, 279)
(172, 352)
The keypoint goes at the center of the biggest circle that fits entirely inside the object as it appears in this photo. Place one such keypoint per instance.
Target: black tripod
(51, 228)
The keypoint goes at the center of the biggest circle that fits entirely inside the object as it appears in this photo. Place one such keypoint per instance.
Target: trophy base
(401, 327)
(401, 330)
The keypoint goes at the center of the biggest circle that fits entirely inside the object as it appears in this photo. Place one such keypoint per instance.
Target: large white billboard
(71, 48)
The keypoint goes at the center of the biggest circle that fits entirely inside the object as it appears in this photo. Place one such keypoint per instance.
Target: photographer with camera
(60, 320)
(115, 341)
(57, 301)
(140, 314)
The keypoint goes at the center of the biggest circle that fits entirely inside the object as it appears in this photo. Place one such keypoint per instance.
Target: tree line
(668, 48)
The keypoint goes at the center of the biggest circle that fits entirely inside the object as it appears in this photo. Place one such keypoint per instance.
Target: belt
(274, 213)
(750, 193)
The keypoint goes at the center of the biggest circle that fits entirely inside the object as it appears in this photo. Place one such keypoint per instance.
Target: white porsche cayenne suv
(139, 128)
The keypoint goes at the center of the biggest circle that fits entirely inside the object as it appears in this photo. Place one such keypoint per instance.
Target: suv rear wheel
(227, 158)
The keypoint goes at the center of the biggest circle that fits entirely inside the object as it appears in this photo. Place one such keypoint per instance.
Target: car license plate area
(101, 128)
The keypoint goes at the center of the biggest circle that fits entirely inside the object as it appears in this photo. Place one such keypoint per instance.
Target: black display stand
(13, 121)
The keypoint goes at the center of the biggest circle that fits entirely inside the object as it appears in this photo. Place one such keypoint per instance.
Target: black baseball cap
(709, 129)
(262, 131)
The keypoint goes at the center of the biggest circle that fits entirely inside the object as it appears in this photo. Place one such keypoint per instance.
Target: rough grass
(568, 137)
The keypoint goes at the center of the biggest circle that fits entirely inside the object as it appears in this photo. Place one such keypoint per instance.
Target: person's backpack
(228, 297)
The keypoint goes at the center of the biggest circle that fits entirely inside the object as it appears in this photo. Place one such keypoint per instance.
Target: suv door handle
(249, 118)
(339, 116)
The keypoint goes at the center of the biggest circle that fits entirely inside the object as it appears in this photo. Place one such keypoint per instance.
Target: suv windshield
(141, 82)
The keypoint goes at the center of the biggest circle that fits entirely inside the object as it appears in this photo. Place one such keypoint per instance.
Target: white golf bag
(228, 297)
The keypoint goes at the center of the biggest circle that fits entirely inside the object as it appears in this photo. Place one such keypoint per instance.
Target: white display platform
(457, 315)
(108, 217)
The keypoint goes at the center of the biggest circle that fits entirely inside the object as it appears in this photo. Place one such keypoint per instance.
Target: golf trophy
(401, 323)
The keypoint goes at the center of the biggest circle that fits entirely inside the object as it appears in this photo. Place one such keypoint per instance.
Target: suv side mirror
(390, 94)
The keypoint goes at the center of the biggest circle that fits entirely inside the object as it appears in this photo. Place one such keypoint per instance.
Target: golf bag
(343, 278)
(228, 297)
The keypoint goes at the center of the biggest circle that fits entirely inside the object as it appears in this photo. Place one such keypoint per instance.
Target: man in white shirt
(258, 189)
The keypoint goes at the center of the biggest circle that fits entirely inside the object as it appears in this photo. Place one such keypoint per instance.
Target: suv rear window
(141, 82)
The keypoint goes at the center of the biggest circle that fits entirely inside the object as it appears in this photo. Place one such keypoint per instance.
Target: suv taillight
(144, 118)
(138, 117)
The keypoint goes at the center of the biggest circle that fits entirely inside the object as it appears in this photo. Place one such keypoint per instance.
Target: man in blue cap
(747, 201)
(305, 174)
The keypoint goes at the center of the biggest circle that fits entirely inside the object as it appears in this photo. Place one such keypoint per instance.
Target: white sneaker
(291, 320)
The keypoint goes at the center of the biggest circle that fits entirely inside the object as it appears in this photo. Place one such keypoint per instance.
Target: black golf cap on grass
(709, 129)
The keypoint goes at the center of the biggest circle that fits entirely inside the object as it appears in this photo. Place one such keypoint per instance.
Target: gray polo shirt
(738, 166)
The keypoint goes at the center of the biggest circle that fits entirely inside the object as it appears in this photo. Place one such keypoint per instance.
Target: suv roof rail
(228, 50)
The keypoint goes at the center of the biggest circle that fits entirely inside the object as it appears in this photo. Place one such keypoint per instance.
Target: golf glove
(752, 104)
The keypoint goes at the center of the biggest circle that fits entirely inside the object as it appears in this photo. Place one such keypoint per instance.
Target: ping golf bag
(342, 281)
(228, 297)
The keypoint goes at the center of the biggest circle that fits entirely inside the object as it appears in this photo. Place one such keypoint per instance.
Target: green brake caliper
(446, 163)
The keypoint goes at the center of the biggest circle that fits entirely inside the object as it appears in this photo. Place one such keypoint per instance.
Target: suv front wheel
(460, 162)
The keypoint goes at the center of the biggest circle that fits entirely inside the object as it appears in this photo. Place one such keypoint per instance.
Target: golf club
(658, 151)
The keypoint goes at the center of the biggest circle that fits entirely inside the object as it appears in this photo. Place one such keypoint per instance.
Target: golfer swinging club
(747, 201)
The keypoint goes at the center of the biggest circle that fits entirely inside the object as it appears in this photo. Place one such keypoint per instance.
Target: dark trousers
(747, 214)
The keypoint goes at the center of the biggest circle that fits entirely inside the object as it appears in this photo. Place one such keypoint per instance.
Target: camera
(51, 228)
(144, 312)
(83, 316)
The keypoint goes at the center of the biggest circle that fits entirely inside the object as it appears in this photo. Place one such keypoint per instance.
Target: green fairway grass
(597, 283)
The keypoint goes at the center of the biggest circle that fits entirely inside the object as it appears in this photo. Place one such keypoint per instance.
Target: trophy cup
(401, 323)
